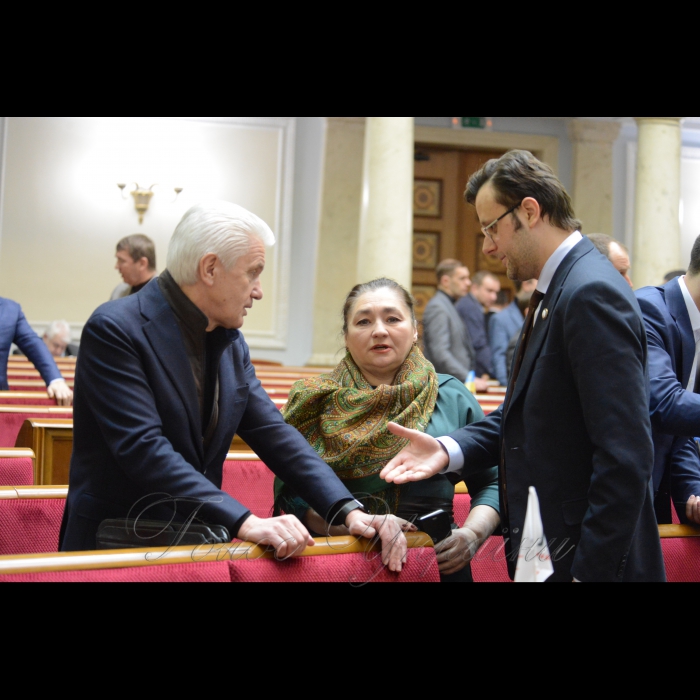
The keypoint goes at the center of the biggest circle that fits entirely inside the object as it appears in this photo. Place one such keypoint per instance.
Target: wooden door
(444, 225)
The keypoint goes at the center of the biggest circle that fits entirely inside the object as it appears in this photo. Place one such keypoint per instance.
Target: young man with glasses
(575, 424)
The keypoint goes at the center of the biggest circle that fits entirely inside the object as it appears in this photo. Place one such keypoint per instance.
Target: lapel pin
(545, 314)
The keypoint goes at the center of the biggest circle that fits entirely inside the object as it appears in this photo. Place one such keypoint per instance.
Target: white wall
(63, 212)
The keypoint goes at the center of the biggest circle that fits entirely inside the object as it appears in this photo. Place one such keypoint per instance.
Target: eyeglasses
(486, 229)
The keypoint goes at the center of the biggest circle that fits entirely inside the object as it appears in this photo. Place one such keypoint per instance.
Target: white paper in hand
(534, 561)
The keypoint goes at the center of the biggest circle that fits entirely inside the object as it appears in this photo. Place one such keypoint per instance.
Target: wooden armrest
(236, 551)
(678, 531)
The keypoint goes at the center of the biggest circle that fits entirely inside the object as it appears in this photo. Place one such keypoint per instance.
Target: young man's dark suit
(578, 430)
(138, 430)
(675, 412)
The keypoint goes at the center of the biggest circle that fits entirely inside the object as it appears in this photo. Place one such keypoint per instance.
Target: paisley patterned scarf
(345, 420)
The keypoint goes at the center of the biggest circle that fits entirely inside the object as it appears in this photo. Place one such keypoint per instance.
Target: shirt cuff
(60, 379)
(455, 453)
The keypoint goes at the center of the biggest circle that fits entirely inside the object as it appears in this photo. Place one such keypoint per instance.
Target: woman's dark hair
(518, 175)
(375, 286)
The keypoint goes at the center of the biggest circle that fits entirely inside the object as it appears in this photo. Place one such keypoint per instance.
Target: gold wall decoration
(426, 250)
(427, 198)
(142, 200)
(422, 294)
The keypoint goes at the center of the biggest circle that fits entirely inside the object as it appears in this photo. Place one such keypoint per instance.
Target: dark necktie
(535, 302)
(697, 380)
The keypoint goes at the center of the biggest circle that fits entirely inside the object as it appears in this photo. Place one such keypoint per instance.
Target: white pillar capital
(589, 130)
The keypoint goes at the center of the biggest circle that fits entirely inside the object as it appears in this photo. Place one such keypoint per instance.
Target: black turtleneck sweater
(204, 351)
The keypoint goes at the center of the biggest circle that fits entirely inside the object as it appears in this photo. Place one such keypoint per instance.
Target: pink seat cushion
(202, 572)
(682, 557)
(31, 526)
(251, 484)
(352, 569)
(16, 472)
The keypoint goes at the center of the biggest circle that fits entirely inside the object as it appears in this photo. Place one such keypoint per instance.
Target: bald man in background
(615, 252)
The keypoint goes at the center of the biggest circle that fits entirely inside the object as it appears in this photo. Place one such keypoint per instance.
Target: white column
(339, 235)
(386, 231)
(657, 236)
(593, 173)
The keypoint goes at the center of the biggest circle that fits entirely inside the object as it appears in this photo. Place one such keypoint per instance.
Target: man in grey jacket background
(446, 340)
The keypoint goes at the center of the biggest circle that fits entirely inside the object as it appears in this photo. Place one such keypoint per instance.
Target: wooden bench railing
(52, 443)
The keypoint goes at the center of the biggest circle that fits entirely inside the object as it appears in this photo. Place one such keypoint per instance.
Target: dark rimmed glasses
(486, 229)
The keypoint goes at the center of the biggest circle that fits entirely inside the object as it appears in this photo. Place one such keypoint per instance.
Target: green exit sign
(472, 122)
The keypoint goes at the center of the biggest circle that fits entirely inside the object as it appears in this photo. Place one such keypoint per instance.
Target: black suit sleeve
(285, 451)
(605, 342)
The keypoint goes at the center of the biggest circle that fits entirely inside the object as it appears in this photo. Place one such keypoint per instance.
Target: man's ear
(533, 211)
(207, 269)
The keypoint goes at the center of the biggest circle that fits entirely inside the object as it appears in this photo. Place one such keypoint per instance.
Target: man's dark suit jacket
(675, 412)
(14, 328)
(138, 429)
(472, 313)
(578, 430)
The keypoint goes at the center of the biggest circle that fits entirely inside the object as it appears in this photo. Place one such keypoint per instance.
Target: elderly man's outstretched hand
(422, 459)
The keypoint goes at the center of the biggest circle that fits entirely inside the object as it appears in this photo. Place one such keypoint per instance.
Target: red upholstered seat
(462, 506)
(682, 557)
(30, 526)
(200, 572)
(18, 398)
(11, 424)
(489, 565)
(350, 569)
(16, 471)
(252, 484)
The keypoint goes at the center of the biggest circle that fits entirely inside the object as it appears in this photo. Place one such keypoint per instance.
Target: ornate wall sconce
(142, 198)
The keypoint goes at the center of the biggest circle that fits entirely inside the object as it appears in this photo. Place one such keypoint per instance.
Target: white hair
(221, 228)
(59, 328)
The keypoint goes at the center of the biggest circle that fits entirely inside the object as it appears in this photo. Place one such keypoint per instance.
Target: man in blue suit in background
(672, 318)
(506, 325)
(14, 328)
(165, 382)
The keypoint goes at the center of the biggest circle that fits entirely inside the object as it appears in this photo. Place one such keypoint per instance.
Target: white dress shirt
(543, 284)
(694, 314)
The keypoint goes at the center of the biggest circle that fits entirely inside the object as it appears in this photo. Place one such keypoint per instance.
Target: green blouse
(456, 408)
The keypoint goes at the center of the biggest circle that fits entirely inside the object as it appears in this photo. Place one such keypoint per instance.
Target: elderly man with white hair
(57, 339)
(166, 381)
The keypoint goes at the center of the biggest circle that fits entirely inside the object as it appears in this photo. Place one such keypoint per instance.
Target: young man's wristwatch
(342, 515)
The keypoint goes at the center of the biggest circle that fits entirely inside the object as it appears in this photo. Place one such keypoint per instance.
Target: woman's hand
(454, 553)
(390, 530)
(458, 550)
